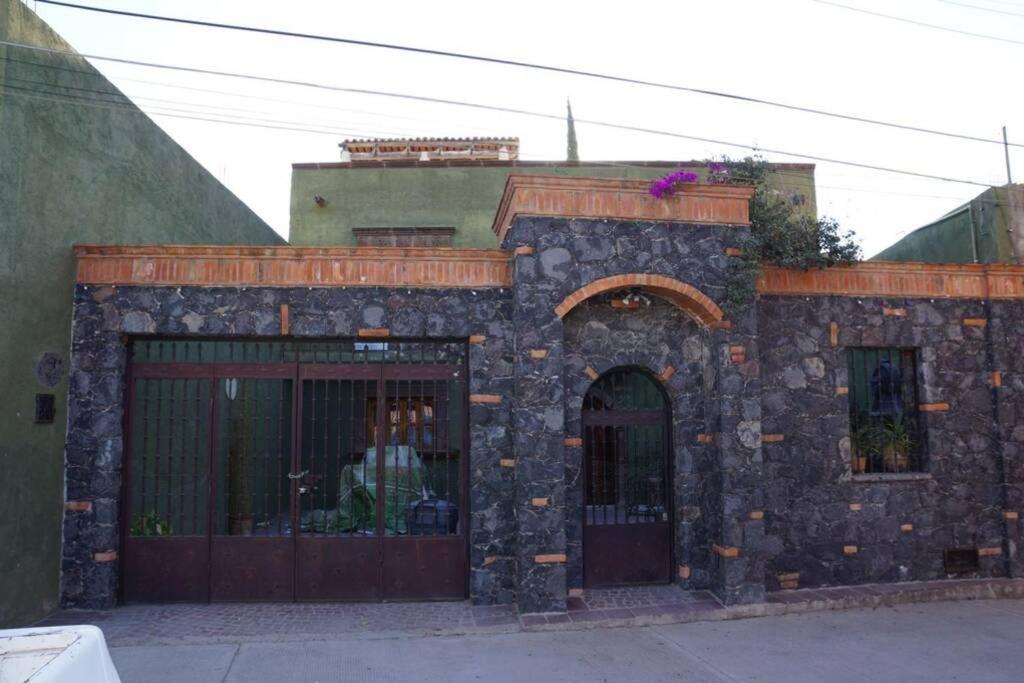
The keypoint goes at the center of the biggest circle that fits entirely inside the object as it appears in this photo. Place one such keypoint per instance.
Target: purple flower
(667, 185)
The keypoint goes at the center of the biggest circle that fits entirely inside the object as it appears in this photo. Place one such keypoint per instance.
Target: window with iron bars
(885, 431)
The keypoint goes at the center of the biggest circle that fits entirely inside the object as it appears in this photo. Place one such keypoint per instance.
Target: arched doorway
(627, 511)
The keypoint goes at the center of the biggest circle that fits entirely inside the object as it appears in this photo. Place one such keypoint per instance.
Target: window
(885, 433)
(404, 237)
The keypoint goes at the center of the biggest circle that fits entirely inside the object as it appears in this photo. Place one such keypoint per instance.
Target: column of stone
(740, 548)
(89, 564)
(539, 441)
(1007, 382)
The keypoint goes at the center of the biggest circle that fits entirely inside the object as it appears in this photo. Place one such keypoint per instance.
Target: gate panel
(338, 551)
(166, 550)
(424, 546)
(627, 529)
(252, 544)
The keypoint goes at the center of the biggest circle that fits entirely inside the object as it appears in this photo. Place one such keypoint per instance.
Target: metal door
(627, 524)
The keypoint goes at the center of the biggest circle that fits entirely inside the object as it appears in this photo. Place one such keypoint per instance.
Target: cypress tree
(572, 152)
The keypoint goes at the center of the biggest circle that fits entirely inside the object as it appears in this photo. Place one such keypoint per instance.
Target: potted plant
(151, 524)
(897, 444)
(866, 444)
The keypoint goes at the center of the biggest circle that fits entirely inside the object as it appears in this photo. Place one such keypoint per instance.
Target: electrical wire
(904, 20)
(506, 110)
(252, 122)
(983, 9)
(537, 66)
(229, 93)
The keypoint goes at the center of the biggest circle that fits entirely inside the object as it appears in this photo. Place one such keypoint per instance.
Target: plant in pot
(151, 524)
(240, 517)
(866, 444)
(898, 441)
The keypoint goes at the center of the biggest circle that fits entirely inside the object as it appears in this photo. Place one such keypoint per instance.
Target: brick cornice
(292, 266)
(579, 197)
(896, 279)
(686, 297)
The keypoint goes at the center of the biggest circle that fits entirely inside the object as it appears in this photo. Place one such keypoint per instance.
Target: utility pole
(1006, 151)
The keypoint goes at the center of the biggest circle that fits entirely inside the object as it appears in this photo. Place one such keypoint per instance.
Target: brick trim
(933, 407)
(617, 198)
(284, 320)
(374, 332)
(550, 558)
(78, 506)
(573, 442)
(485, 398)
(725, 551)
(895, 279)
(232, 266)
(687, 298)
(772, 438)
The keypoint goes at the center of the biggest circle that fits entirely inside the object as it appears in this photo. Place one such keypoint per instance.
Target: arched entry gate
(627, 524)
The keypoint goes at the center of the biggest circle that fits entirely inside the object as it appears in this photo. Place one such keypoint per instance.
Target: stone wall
(556, 257)
(105, 317)
(833, 527)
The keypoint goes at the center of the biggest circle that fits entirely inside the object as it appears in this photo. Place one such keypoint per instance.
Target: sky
(801, 52)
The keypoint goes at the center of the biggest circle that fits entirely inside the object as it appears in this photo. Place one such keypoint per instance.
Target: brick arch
(687, 298)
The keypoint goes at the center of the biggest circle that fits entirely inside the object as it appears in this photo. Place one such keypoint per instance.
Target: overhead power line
(983, 9)
(532, 65)
(948, 29)
(125, 105)
(506, 110)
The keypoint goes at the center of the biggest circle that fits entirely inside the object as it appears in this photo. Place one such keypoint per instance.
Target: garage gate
(284, 470)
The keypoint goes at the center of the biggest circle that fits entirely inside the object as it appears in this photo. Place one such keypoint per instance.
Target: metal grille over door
(627, 526)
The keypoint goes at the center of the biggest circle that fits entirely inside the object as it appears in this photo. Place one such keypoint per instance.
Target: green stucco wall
(976, 232)
(463, 197)
(70, 173)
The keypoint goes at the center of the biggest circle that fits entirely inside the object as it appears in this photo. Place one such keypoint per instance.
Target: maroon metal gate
(627, 524)
(295, 471)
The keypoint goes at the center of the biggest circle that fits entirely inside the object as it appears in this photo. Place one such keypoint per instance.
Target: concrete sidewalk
(973, 641)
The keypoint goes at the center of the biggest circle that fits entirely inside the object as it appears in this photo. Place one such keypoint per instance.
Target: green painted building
(71, 171)
(987, 229)
(333, 203)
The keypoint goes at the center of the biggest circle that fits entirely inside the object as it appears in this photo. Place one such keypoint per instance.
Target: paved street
(972, 641)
